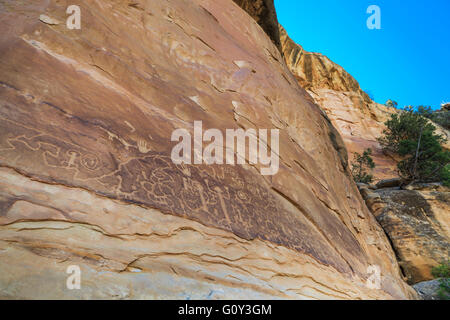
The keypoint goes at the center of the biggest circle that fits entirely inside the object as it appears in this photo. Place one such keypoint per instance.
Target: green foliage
(424, 157)
(445, 175)
(362, 164)
(443, 273)
(441, 117)
(391, 104)
(426, 112)
(403, 126)
(410, 135)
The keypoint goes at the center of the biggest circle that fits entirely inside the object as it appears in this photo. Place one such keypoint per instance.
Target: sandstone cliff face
(358, 119)
(86, 177)
(263, 12)
(418, 223)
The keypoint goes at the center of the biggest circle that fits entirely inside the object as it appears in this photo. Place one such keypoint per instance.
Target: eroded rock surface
(86, 178)
(358, 119)
(428, 290)
(418, 223)
(263, 12)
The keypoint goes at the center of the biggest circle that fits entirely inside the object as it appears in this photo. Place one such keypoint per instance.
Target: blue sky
(408, 60)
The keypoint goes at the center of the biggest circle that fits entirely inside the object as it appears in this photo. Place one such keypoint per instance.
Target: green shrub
(363, 163)
(425, 111)
(445, 175)
(442, 272)
(440, 117)
(410, 135)
(391, 104)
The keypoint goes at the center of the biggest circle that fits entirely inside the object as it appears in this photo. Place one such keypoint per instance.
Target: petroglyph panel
(91, 111)
(223, 196)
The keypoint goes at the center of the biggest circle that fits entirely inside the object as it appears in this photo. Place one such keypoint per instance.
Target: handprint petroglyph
(223, 196)
(142, 146)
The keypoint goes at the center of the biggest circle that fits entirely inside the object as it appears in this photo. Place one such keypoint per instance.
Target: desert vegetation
(413, 137)
(442, 272)
(362, 165)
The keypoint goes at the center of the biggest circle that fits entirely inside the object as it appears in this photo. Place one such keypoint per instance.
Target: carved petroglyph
(90, 161)
(28, 147)
(142, 146)
(85, 123)
(133, 129)
(73, 155)
(222, 196)
(112, 136)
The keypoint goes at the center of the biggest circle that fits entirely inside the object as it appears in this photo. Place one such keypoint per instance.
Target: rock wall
(418, 224)
(359, 120)
(416, 221)
(263, 12)
(86, 177)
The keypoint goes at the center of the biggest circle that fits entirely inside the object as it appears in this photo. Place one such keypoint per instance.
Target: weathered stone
(389, 183)
(428, 290)
(418, 225)
(420, 244)
(263, 11)
(86, 177)
(425, 186)
(359, 120)
(48, 20)
(361, 185)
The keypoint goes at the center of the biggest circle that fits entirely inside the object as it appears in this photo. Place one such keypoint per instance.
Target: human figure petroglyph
(72, 156)
(215, 195)
(29, 143)
(154, 181)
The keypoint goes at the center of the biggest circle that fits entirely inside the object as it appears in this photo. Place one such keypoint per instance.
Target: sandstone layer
(417, 222)
(359, 120)
(263, 12)
(86, 177)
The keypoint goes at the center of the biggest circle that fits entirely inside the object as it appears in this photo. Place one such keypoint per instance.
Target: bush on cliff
(442, 272)
(362, 165)
(412, 136)
(445, 176)
(441, 117)
(391, 104)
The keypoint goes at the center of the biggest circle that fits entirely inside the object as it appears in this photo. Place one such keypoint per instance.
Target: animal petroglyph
(223, 196)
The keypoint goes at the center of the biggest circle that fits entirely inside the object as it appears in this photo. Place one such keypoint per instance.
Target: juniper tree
(413, 137)
(362, 165)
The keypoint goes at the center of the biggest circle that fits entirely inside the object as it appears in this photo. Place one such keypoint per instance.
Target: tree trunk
(417, 154)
